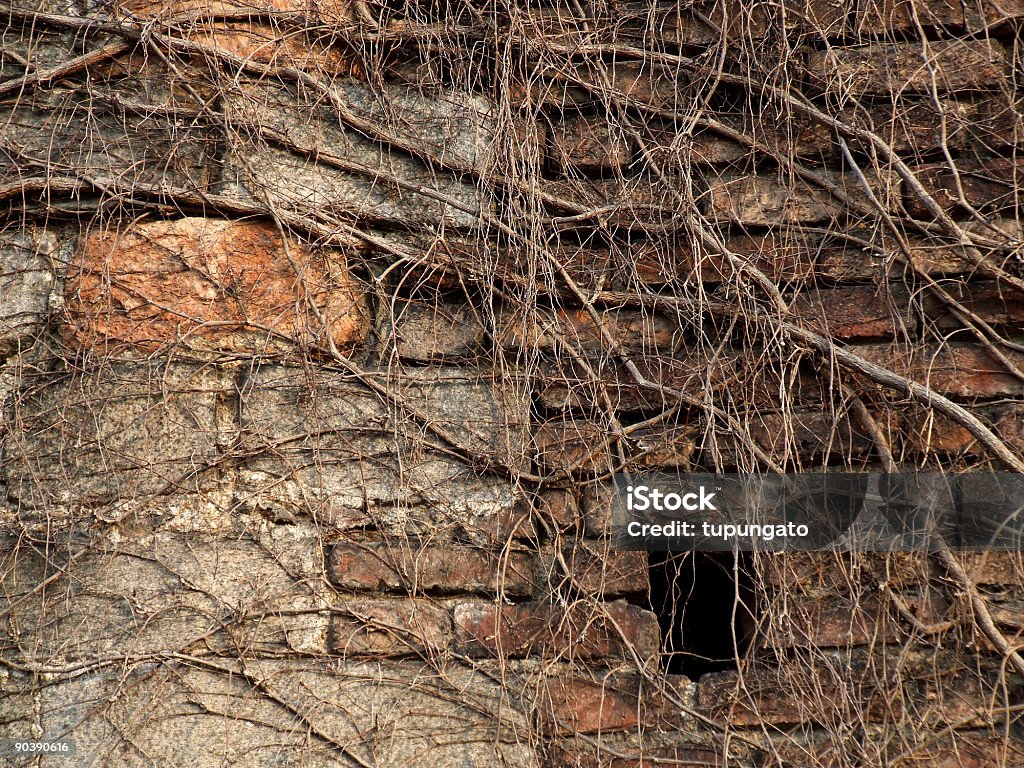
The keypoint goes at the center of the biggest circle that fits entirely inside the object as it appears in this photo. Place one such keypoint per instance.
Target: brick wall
(323, 326)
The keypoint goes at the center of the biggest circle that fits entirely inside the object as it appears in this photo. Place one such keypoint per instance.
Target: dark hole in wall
(705, 603)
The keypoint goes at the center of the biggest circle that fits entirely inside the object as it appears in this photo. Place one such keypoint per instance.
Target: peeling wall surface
(325, 324)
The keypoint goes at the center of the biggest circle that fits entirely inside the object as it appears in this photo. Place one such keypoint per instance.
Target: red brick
(210, 284)
(994, 568)
(928, 432)
(570, 704)
(534, 629)
(991, 184)
(748, 23)
(766, 697)
(389, 628)
(633, 23)
(564, 384)
(550, 330)
(662, 446)
(587, 145)
(960, 697)
(994, 14)
(324, 10)
(807, 433)
(570, 446)
(841, 622)
(628, 201)
(275, 47)
(437, 568)
(858, 312)
(996, 304)
(785, 135)
(956, 368)
(881, 17)
(896, 68)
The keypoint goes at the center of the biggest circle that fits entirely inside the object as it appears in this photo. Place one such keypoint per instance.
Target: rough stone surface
(111, 434)
(632, 331)
(918, 125)
(261, 712)
(323, 10)
(588, 146)
(57, 131)
(162, 591)
(361, 627)
(862, 312)
(768, 201)
(204, 283)
(434, 332)
(29, 268)
(310, 161)
(354, 458)
(991, 184)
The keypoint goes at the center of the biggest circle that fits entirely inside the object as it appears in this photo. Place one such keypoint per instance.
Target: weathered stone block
(842, 620)
(575, 85)
(571, 446)
(577, 703)
(806, 434)
(549, 330)
(918, 125)
(272, 46)
(432, 333)
(598, 570)
(210, 283)
(65, 133)
(316, 152)
(330, 445)
(113, 433)
(565, 384)
(364, 627)
(258, 712)
(768, 201)
(767, 697)
(166, 592)
(403, 566)
(787, 135)
(29, 269)
(334, 11)
(881, 17)
(993, 303)
(895, 68)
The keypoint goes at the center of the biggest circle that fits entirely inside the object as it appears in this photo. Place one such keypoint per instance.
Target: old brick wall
(323, 326)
